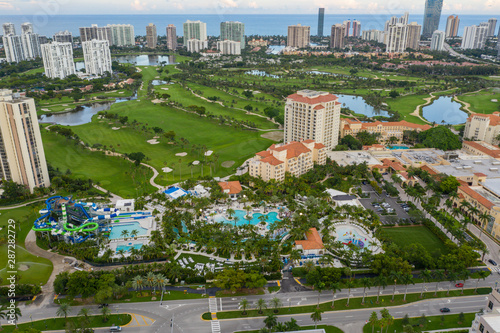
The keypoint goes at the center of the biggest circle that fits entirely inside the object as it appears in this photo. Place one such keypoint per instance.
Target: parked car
(444, 310)
(104, 305)
(115, 328)
(459, 285)
(493, 262)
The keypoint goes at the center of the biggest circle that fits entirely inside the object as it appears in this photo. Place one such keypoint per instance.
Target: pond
(139, 60)
(81, 114)
(358, 105)
(444, 110)
(262, 73)
(159, 82)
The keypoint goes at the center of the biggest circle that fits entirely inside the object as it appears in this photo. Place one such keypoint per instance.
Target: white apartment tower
(13, 48)
(195, 30)
(9, 29)
(122, 34)
(22, 158)
(97, 57)
(58, 60)
(397, 38)
(63, 37)
(229, 47)
(474, 37)
(31, 45)
(437, 40)
(233, 31)
(312, 115)
(492, 24)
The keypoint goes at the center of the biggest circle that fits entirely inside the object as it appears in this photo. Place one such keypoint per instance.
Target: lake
(81, 114)
(444, 110)
(358, 105)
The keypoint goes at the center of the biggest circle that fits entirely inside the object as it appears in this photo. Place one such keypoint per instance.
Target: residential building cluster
(25, 46)
(389, 132)
(483, 127)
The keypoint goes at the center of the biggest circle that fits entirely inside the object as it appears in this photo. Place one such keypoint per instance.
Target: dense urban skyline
(79, 7)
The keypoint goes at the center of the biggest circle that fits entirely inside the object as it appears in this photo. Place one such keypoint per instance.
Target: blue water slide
(83, 210)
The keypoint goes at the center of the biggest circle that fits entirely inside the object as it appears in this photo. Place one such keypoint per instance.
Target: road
(459, 55)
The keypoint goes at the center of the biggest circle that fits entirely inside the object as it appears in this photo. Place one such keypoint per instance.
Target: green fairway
(404, 236)
(431, 323)
(483, 101)
(112, 173)
(30, 269)
(405, 105)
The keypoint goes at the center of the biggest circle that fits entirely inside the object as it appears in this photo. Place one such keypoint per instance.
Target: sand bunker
(45, 110)
(196, 162)
(115, 128)
(153, 142)
(23, 267)
(164, 88)
(275, 135)
(181, 154)
(208, 153)
(227, 164)
(493, 100)
(167, 169)
(156, 101)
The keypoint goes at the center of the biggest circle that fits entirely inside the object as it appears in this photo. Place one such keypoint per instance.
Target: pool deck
(366, 236)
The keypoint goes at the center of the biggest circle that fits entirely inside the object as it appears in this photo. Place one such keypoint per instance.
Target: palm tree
(381, 281)
(373, 320)
(151, 281)
(63, 310)
(84, 312)
(105, 312)
(482, 275)
(270, 321)
(295, 255)
(334, 286)
(387, 318)
(484, 218)
(320, 286)
(438, 275)
(16, 313)
(276, 304)
(292, 325)
(244, 305)
(134, 233)
(452, 277)
(138, 283)
(426, 276)
(124, 234)
(366, 283)
(407, 279)
(161, 281)
(316, 316)
(261, 304)
(464, 275)
(394, 276)
(230, 212)
(349, 284)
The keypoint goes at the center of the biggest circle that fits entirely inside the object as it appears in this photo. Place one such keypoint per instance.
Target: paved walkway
(179, 252)
(24, 204)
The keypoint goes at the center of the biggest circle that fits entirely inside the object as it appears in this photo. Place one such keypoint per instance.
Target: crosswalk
(212, 306)
(215, 326)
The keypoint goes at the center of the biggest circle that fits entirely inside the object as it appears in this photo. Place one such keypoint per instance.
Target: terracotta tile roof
(319, 145)
(234, 187)
(264, 153)
(293, 149)
(476, 196)
(495, 153)
(308, 141)
(319, 107)
(480, 174)
(494, 118)
(312, 242)
(402, 123)
(394, 165)
(271, 160)
(428, 169)
(315, 100)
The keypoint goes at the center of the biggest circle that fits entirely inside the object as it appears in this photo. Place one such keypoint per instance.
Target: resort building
(312, 115)
(312, 245)
(481, 148)
(97, 57)
(488, 321)
(298, 36)
(233, 31)
(151, 36)
(232, 189)
(95, 32)
(389, 131)
(196, 45)
(229, 47)
(295, 157)
(452, 26)
(122, 34)
(171, 37)
(58, 60)
(483, 127)
(22, 158)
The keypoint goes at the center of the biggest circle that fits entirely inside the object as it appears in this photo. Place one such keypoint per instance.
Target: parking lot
(390, 203)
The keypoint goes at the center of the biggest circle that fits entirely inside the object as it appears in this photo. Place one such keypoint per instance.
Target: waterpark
(353, 234)
(74, 222)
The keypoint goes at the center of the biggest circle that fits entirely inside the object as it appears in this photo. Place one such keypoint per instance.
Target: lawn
(481, 101)
(112, 173)
(327, 328)
(404, 236)
(30, 269)
(405, 105)
(60, 323)
(433, 323)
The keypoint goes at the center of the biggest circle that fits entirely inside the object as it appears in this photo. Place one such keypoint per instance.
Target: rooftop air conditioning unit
(493, 169)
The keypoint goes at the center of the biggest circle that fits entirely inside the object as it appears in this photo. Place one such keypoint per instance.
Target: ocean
(271, 24)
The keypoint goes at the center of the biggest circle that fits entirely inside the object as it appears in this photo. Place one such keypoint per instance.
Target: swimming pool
(128, 247)
(116, 230)
(348, 235)
(241, 220)
(395, 147)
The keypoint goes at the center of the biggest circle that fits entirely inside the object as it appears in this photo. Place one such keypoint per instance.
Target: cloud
(253, 4)
(6, 5)
(227, 4)
(350, 4)
(138, 5)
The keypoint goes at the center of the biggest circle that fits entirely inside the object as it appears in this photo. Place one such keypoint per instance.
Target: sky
(67, 7)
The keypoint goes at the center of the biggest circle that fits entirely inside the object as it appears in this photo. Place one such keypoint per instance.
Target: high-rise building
(413, 38)
(298, 36)
(474, 37)
(43, 40)
(229, 47)
(195, 30)
(373, 34)
(347, 25)
(321, 21)
(31, 46)
(95, 32)
(122, 34)
(151, 36)
(234, 31)
(312, 115)
(498, 48)
(171, 37)
(452, 26)
(22, 159)
(9, 29)
(58, 60)
(337, 36)
(13, 46)
(397, 38)
(63, 37)
(437, 40)
(492, 25)
(196, 45)
(97, 57)
(432, 15)
(356, 29)
(27, 28)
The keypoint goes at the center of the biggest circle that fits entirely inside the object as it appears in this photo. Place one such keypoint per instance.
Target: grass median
(354, 303)
(327, 328)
